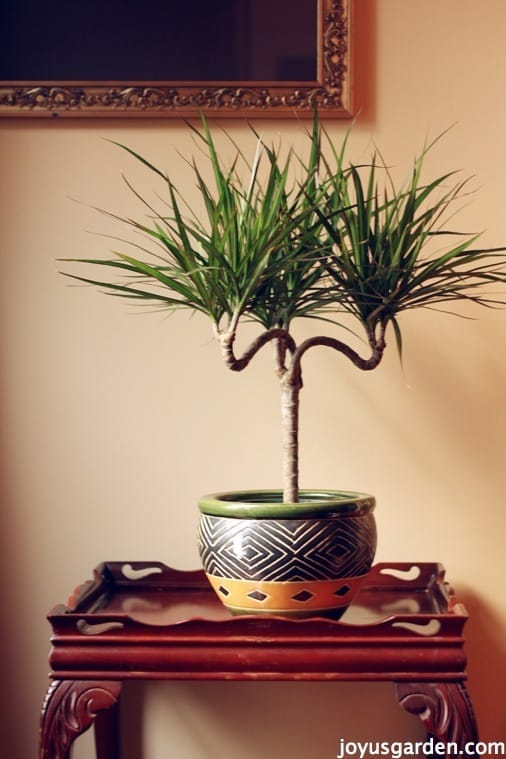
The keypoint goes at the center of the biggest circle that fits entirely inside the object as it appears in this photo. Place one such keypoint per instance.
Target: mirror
(162, 58)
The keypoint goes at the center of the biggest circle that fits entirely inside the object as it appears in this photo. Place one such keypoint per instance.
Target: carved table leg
(107, 738)
(445, 710)
(70, 707)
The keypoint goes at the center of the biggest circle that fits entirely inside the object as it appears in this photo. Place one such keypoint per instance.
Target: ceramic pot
(262, 556)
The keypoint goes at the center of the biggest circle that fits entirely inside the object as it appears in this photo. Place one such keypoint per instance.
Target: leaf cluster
(382, 240)
(272, 246)
(251, 253)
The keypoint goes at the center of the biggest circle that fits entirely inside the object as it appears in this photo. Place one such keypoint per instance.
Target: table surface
(142, 619)
(153, 595)
(146, 621)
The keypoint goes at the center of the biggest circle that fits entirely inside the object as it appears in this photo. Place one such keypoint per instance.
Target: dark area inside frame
(158, 40)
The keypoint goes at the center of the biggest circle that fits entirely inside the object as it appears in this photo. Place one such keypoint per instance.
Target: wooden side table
(145, 621)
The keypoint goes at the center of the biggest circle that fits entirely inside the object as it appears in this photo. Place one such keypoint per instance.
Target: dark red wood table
(145, 621)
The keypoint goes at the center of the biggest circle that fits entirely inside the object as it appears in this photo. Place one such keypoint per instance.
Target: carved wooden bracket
(444, 708)
(70, 707)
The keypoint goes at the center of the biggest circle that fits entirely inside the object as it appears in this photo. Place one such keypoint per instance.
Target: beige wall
(113, 424)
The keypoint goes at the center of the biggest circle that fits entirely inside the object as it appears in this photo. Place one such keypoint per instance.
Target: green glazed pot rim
(268, 504)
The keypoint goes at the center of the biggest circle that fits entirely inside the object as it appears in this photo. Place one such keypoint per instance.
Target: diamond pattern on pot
(303, 595)
(257, 595)
(287, 550)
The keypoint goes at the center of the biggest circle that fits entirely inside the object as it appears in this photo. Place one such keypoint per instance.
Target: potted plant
(278, 239)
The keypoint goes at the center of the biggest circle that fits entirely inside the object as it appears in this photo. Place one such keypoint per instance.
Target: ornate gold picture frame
(329, 90)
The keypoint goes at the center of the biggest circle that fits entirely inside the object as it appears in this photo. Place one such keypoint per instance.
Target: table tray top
(397, 600)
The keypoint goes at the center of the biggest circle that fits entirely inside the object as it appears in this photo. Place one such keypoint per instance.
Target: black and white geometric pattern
(287, 550)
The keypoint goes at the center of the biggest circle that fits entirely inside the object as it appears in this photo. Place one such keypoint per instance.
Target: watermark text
(431, 747)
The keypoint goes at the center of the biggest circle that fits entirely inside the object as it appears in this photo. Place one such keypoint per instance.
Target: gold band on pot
(304, 598)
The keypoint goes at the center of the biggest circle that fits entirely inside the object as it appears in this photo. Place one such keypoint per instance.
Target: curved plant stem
(227, 340)
(291, 385)
(290, 378)
(377, 345)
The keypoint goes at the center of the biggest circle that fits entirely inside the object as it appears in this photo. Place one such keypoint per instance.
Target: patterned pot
(262, 556)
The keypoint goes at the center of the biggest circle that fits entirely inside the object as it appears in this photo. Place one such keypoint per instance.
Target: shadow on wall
(364, 60)
(13, 723)
(22, 665)
(222, 720)
(485, 637)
